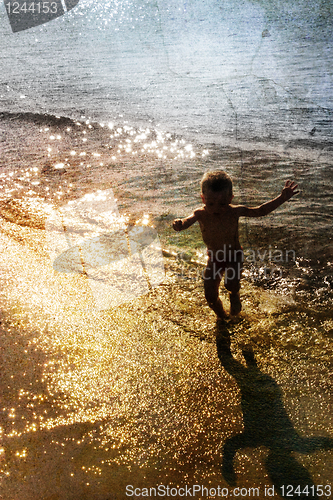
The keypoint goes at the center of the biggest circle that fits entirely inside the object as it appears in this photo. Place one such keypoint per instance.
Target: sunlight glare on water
(138, 391)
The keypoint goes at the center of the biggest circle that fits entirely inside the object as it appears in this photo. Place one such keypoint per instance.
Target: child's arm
(288, 192)
(181, 224)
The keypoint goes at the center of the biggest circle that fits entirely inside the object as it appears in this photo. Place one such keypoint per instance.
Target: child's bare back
(218, 221)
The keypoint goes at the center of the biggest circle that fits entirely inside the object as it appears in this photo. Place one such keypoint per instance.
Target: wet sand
(153, 391)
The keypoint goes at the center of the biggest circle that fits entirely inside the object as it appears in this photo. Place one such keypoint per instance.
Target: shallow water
(155, 177)
(149, 393)
(137, 395)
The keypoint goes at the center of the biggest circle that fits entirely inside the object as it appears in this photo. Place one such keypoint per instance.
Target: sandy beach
(152, 392)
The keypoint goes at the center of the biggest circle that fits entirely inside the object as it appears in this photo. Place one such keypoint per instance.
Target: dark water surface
(213, 71)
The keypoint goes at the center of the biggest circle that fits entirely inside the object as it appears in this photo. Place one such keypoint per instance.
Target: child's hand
(289, 190)
(177, 224)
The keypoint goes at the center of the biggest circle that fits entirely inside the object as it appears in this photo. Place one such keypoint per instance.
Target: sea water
(242, 70)
(150, 95)
(244, 75)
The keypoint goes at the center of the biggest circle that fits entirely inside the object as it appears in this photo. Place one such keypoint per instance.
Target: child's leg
(232, 283)
(212, 280)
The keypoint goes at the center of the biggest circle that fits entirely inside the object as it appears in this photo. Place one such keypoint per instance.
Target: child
(218, 221)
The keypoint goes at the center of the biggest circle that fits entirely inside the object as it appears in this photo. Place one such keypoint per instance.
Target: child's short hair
(216, 181)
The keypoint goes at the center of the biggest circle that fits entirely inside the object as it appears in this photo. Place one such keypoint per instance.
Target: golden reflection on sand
(95, 400)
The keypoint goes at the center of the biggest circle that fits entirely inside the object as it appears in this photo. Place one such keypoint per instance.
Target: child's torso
(220, 231)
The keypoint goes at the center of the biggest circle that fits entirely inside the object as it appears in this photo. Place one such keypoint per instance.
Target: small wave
(38, 118)
(311, 144)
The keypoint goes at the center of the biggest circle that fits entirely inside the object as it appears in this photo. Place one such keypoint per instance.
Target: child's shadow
(266, 423)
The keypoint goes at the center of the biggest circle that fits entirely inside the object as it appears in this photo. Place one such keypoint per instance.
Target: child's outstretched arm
(288, 192)
(181, 224)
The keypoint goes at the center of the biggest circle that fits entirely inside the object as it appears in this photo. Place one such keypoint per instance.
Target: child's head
(216, 190)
